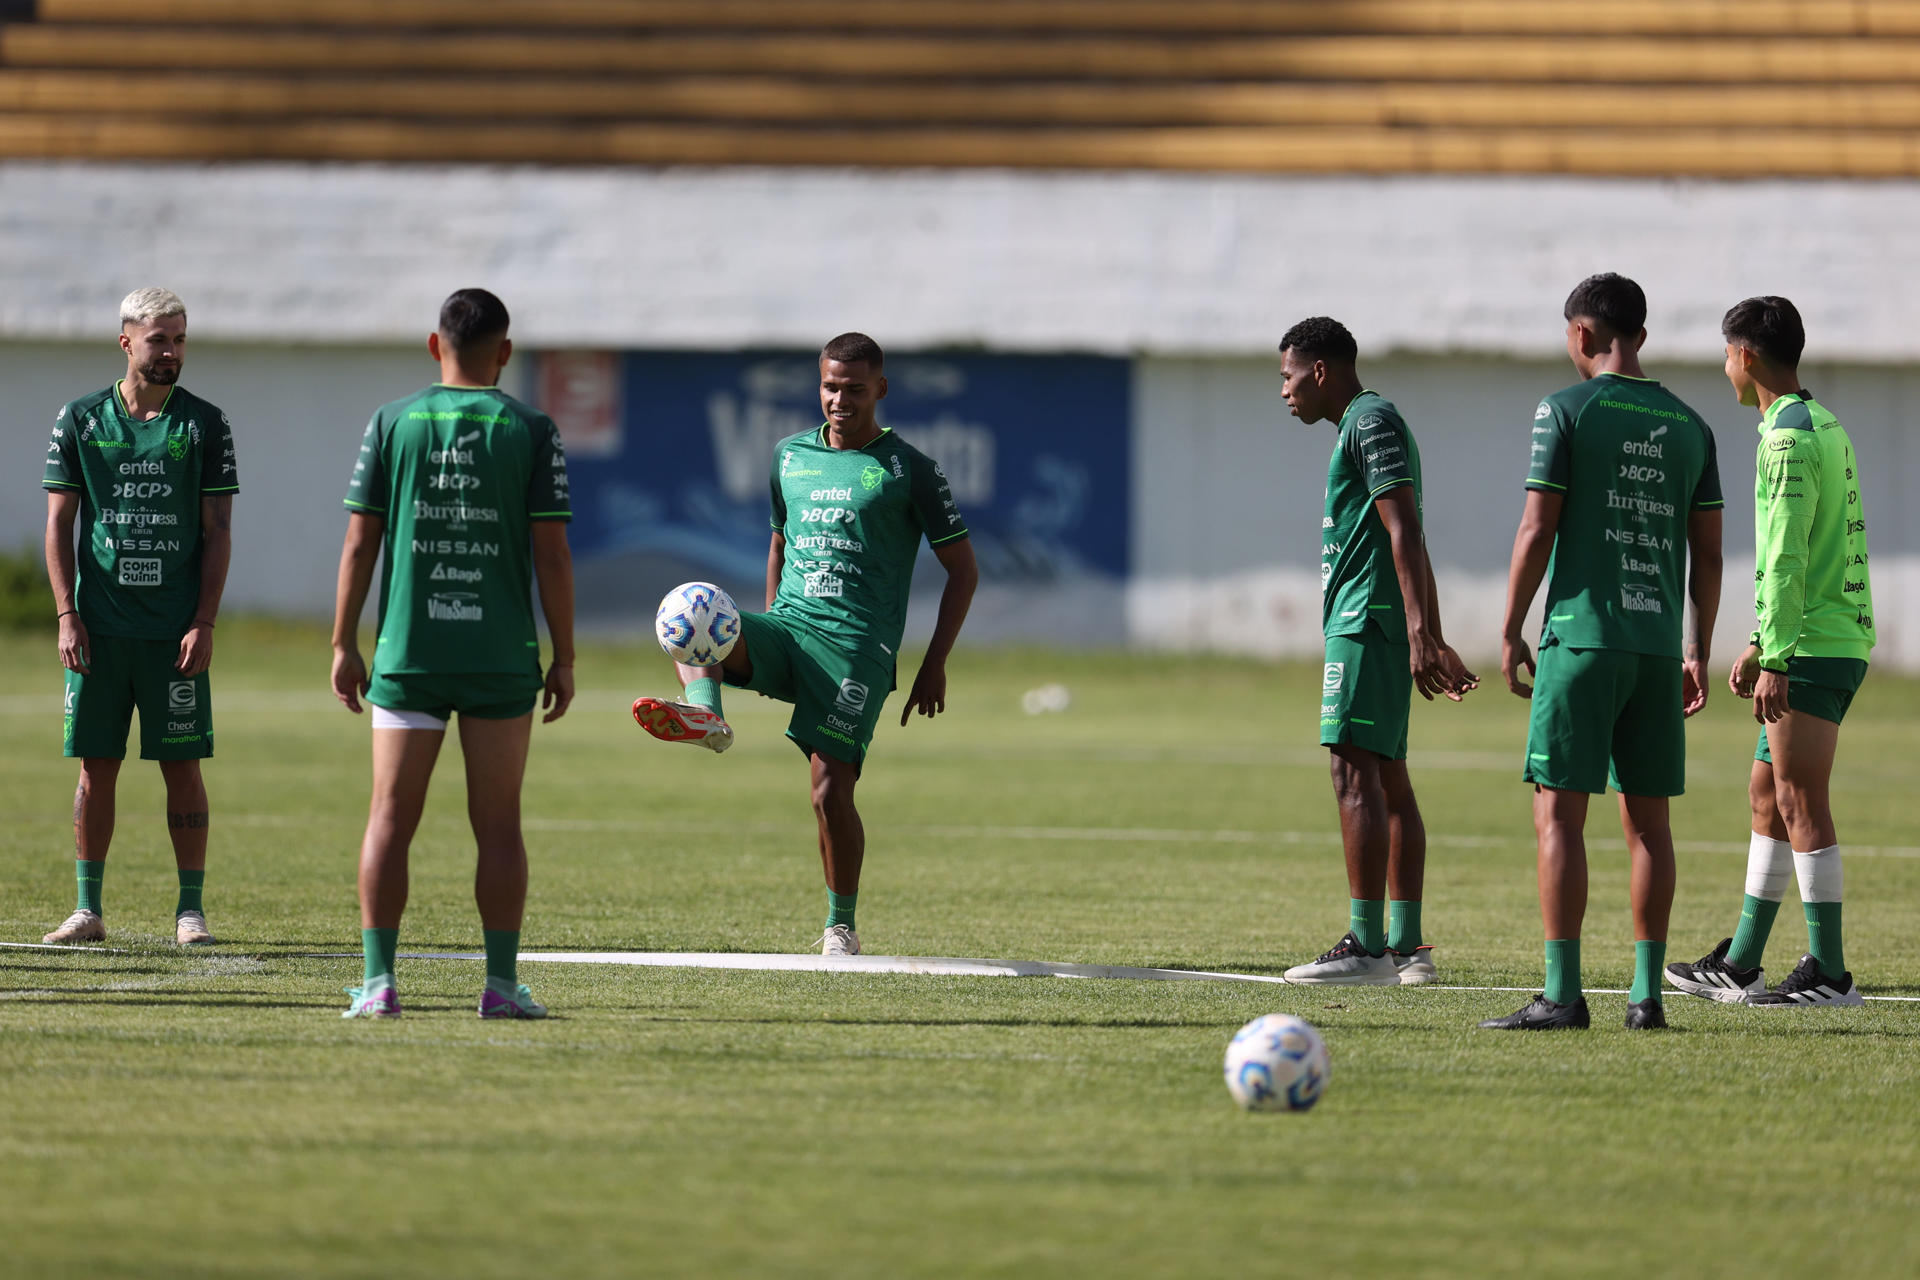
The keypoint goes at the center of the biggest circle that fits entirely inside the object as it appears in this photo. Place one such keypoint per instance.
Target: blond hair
(144, 306)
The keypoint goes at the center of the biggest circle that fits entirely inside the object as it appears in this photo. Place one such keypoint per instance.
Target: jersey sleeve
(1377, 448)
(1706, 492)
(548, 494)
(367, 491)
(933, 504)
(63, 453)
(218, 472)
(1788, 496)
(1550, 468)
(776, 497)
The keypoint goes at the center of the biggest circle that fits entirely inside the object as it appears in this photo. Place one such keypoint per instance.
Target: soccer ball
(698, 624)
(1277, 1062)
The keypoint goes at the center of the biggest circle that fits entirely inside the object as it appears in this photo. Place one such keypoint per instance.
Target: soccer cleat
(1415, 968)
(1712, 977)
(1347, 965)
(682, 722)
(1543, 1014)
(81, 926)
(507, 1000)
(1647, 1015)
(377, 999)
(1807, 986)
(839, 940)
(190, 930)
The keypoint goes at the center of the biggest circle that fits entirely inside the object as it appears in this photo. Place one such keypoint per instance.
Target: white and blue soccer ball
(698, 624)
(1277, 1062)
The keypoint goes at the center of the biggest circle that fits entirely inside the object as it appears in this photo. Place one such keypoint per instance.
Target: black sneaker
(1805, 986)
(1712, 977)
(1543, 1015)
(1646, 1015)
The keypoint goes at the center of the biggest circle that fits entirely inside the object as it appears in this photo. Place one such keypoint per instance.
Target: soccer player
(145, 469)
(851, 503)
(1623, 519)
(1813, 608)
(1380, 613)
(465, 488)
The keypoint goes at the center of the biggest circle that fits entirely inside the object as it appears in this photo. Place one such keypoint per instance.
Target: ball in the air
(697, 624)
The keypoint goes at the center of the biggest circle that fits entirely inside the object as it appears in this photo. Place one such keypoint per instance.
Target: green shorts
(1366, 693)
(484, 696)
(1818, 687)
(836, 693)
(1602, 716)
(176, 711)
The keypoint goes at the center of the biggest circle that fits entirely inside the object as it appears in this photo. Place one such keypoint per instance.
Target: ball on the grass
(1277, 1062)
(697, 624)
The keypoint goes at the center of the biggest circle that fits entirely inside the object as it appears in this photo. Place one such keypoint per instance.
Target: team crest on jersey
(176, 447)
(871, 477)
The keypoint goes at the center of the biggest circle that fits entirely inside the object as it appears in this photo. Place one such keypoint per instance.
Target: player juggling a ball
(852, 502)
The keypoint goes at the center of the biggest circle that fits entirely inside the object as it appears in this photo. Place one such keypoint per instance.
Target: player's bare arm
(776, 562)
(1428, 656)
(216, 554)
(553, 571)
(929, 692)
(1532, 550)
(358, 556)
(63, 506)
(1703, 592)
(1461, 681)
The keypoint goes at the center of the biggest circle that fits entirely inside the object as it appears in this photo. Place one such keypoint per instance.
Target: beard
(160, 375)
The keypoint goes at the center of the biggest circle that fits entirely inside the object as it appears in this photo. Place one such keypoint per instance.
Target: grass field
(210, 1114)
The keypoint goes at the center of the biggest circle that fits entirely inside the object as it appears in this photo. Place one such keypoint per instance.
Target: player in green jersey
(465, 489)
(1813, 607)
(1380, 613)
(145, 470)
(1623, 520)
(852, 502)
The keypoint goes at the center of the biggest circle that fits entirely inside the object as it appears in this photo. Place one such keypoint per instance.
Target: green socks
(1750, 935)
(1823, 937)
(840, 908)
(1367, 919)
(704, 692)
(503, 954)
(1563, 970)
(1648, 959)
(1403, 927)
(191, 883)
(378, 945)
(87, 876)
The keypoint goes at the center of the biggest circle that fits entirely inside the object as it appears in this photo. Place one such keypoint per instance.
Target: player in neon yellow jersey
(1813, 609)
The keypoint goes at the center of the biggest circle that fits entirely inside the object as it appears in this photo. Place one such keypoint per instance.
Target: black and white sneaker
(1807, 986)
(1543, 1015)
(1347, 965)
(1713, 978)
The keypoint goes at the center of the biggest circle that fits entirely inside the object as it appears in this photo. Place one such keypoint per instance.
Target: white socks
(1770, 862)
(1820, 878)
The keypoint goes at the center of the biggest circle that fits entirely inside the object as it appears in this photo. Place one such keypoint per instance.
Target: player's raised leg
(1803, 747)
(93, 819)
(496, 759)
(187, 825)
(843, 848)
(698, 717)
(403, 760)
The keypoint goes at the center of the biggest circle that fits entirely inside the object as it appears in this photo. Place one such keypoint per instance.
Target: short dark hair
(1322, 338)
(1768, 326)
(471, 316)
(854, 348)
(1616, 302)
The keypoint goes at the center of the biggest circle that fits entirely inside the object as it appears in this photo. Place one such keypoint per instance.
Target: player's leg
(697, 717)
(1803, 747)
(1406, 876)
(1647, 765)
(496, 760)
(1644, 820)
(1731, 972)
(843, 848)
(187, 827)
(99, 714)
(405, 746)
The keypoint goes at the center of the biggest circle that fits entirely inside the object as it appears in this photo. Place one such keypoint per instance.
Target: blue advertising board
(669, 455)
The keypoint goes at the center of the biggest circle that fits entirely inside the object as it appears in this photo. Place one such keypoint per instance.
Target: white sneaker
(682, 722)
(190, 930)
(1347, 965)
(840, 940)
(81, 926)
(1416, 967)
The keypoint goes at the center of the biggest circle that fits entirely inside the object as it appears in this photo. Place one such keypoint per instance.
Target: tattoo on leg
(188, 821)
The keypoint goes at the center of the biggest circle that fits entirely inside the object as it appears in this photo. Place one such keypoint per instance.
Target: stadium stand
(1641, 87)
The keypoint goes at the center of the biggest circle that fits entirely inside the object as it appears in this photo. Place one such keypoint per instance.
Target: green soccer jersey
(140, 485)
(1374, 453)
(459, 474)
(1633, 462)
(853, 520)
(1811, 596)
